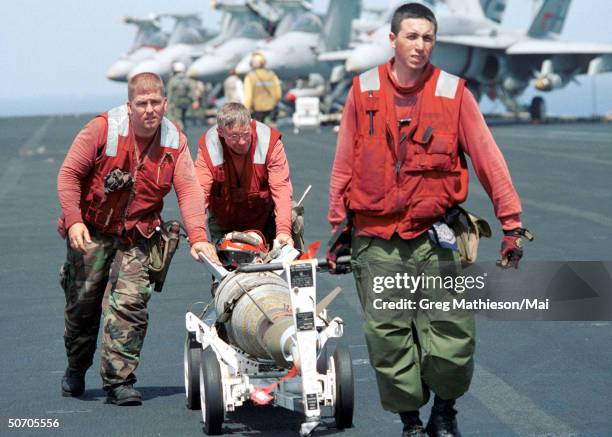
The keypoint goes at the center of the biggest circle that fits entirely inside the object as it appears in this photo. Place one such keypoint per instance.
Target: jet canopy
(187, 30)
(308, 23)
(149, 36)
(252, 30)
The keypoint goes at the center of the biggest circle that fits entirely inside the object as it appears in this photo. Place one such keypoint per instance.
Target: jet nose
(273, 61)
(119, 71)
(353, 64)
(209, 69)
(151, 66)
(367, 56)
(244, 66)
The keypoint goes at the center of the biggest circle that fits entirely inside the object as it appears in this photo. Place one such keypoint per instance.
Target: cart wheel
(211, 392)
(191, 361)
(342, 364)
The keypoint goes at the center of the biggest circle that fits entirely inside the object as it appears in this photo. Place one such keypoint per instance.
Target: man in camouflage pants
(111, 188)
(84, 278)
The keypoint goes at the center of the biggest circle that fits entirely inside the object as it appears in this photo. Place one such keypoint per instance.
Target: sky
(55, 53)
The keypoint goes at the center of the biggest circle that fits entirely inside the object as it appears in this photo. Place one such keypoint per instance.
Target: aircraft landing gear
(537, 109)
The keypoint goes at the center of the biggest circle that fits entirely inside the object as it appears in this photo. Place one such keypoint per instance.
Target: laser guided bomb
(268, 341)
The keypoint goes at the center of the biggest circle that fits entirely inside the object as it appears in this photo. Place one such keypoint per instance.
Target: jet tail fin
(550, 19)
(494, 9)
(338, 23)
(472, 8)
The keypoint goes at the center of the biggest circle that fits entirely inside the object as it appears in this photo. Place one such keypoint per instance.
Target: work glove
(281, 240)
(512, 247)
(341, 247)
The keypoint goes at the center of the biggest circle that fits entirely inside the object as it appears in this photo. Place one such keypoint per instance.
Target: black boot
(124, 395)
(442, 422)
(413, 427)
(73, 382)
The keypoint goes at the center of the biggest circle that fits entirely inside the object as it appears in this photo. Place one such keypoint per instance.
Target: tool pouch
(162, 246)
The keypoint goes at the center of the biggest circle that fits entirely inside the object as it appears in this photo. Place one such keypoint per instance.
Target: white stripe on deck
(16, 166)
(559, 154)
(577, 137)
(513, 409)
(591, 216)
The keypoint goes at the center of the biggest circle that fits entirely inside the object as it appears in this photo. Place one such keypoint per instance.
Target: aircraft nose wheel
(537, 109)
(211, 392)
(191, 361)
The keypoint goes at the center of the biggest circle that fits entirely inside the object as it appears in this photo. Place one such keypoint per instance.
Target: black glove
(340, 247)
(512, 247)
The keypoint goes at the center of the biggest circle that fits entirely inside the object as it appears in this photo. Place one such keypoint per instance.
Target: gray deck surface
(531, 378)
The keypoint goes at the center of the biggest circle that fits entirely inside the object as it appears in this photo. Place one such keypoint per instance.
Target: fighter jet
(498, 62)
(219, 59)
(149, 39)
(493, 9)
(239, 18)
(187, 37)
(294, 54)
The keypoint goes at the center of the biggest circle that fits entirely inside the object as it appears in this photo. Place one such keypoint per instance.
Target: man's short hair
(233, 114)
(412, 10)
(145, 82)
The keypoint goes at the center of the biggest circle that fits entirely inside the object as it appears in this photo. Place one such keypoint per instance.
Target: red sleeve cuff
(198, 237)
(283, 230)
(72, 218)
(511, 222)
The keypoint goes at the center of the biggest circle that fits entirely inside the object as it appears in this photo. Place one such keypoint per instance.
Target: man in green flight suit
(182, 94)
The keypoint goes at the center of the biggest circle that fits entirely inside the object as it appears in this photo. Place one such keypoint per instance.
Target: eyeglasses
(237, 136)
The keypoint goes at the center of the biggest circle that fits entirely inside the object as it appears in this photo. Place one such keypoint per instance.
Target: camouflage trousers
(112, 280)
(413, 349)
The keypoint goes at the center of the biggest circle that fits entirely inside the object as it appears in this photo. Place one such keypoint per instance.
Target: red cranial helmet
(241, 248)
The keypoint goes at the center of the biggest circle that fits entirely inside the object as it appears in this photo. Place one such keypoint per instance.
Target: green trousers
(413, 350)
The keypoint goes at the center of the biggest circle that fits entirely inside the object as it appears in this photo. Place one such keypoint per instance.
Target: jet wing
(338, 55)
(556, 47)
(494, 42)
(569, 56)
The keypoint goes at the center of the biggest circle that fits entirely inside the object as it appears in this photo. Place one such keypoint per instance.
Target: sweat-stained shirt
(81, 159)
(475, 140)
(278, 181)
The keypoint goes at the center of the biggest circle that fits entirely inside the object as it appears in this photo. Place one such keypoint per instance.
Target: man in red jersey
(244, 173)
(111, 188)
(400, 167)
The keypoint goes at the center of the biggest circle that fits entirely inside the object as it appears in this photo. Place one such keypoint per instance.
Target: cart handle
(270, 267)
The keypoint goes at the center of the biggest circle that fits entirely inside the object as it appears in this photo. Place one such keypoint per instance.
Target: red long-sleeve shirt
(81, 159)
(278, 181)
(475, 140)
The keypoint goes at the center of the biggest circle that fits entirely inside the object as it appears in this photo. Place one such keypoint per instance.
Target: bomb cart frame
(299, 373)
